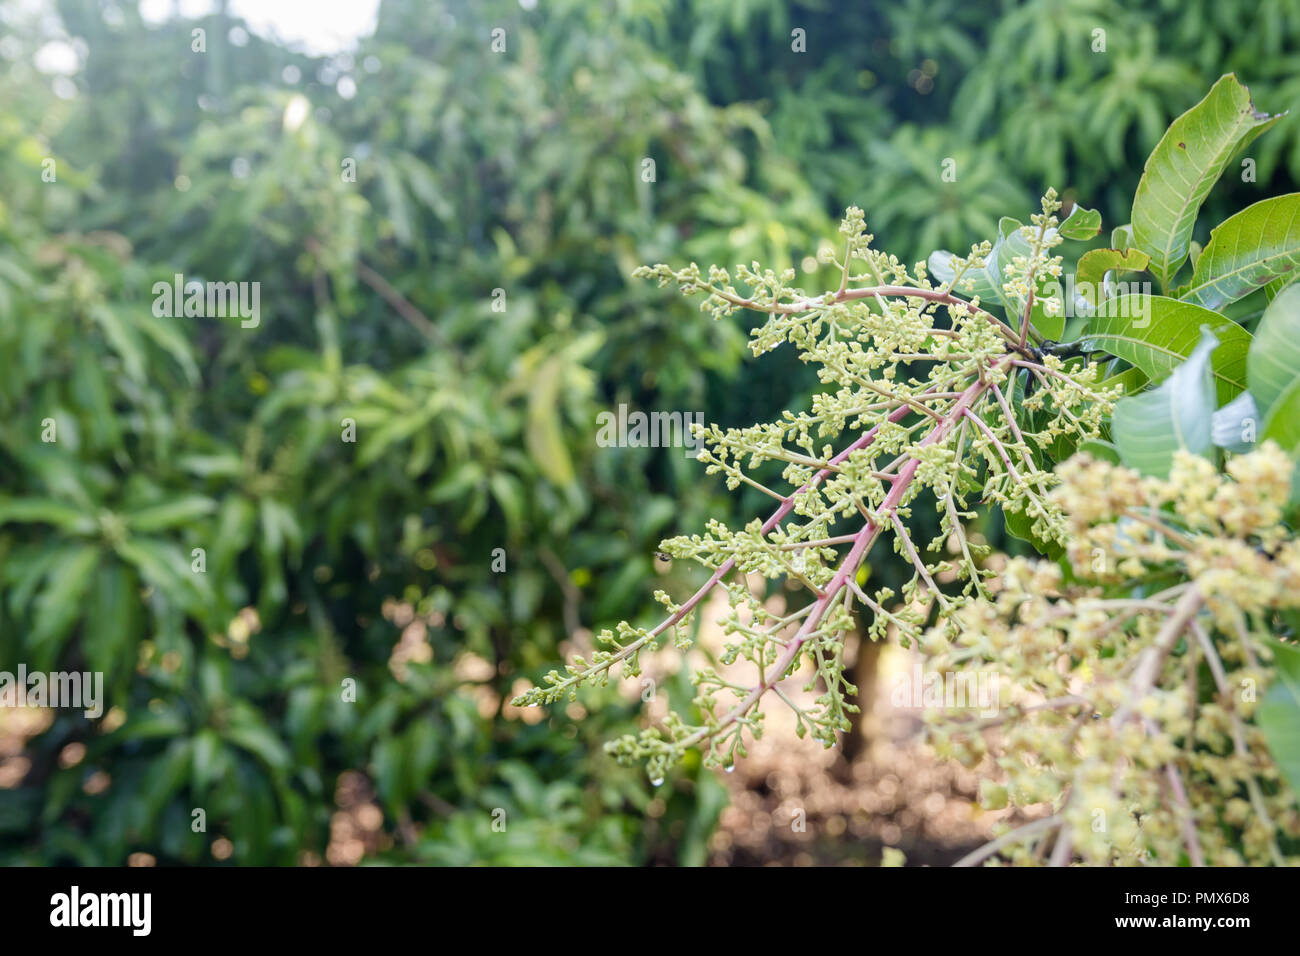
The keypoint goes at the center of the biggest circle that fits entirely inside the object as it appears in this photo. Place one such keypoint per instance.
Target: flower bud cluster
(1133, 679)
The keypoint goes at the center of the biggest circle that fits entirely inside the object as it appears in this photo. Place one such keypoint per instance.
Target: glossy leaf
(1151, 426)
(1282, 421)
(1100, 449)
(178, 512)
(1183, 167)
(941, 269)
(1156, 334)
(544, 436)
(1257, 246)
(1093, 266)
(1279, 713)
(44, 510)
(1081, 223)
(1273, 363)
(1021, 526)
(59, 605)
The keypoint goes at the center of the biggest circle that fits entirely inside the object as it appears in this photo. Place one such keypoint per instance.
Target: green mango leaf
(422, 749)
(60, 605)
(92, 390)
(1081, 223)
(223, 465)
(122, 337)
(1011, 243)
(166, 775)
(1131, 379)
(45, 511)
(1282, 421)
(1050, 327)
(1186, 163)
(1020, 525)
(259, 740)
(1156, 334)
(1278, 714)
(1273, 363)
(1101, 450)
(1282, 425)
(208, 760)
(112, 624)
(1257, 246)
(165, 334)
(387, 767)
(1277, 285)
(710, 799)
(280, 529)
(940, 268)
(544, 438)
(993, 264)
(399, 209)
(279, 544)
(400, 428)
(509, 495)
(63, 787)
(170, 514)
(1149, 427)
(149, 727)
(164, 566)
(1090, 275)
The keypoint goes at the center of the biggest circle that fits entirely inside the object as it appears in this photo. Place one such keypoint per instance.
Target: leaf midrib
(1219, 162)
(1115, 336)
(1293, 251)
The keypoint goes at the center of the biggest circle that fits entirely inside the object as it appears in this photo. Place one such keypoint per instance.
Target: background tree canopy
(443, 237)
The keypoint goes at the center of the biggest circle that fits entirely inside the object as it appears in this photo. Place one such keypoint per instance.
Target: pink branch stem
(849, 567)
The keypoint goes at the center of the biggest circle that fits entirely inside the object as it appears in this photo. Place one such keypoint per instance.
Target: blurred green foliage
(475, 172)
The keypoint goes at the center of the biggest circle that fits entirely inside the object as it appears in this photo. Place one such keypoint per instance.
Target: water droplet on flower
(730, 768)
(656, 781)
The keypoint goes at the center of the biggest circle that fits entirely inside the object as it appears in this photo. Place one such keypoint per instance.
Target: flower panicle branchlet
(926, 397)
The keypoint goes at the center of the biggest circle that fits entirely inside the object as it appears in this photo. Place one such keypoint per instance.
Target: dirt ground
(794, 803)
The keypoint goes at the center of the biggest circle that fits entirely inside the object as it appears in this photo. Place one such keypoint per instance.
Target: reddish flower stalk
(787, 505)
(848, 569)
(930, 451)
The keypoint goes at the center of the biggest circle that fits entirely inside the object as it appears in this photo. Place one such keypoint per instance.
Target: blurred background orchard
(482, 177)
